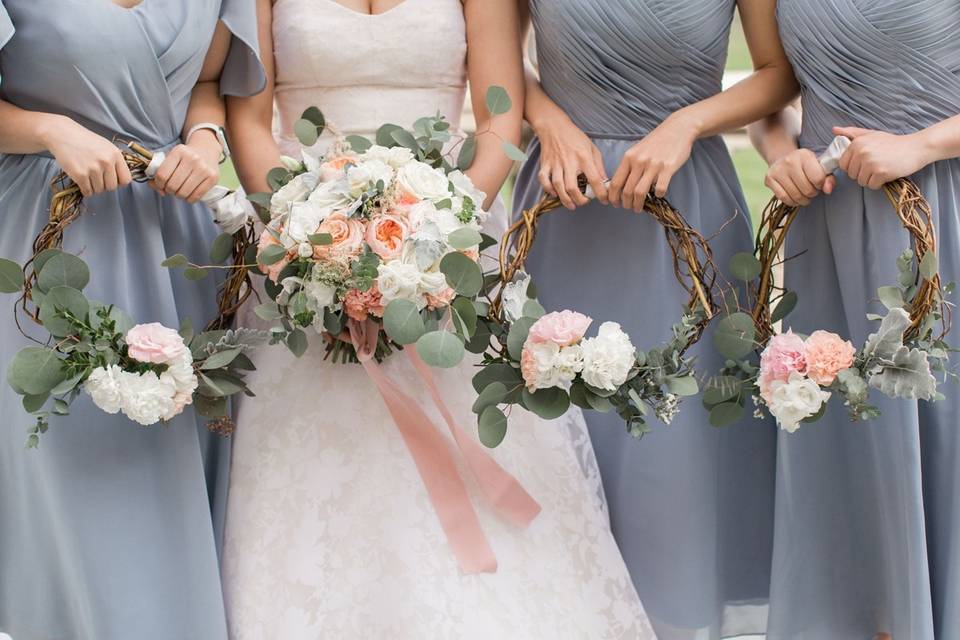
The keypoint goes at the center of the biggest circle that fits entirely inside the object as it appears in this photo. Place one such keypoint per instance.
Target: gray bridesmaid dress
(106, 531)
(868, 515)
(691, 506)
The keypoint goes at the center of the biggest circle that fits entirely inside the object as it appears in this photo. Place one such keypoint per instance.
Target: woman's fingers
(663, 182)
(96, 181)
(629, 198)
(110, 179)
(560, 188)
(571, 183)
(829, 185)
(546, 181)
(166, 171)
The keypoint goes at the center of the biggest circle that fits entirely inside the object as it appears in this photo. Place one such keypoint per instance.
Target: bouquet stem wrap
(436, 465)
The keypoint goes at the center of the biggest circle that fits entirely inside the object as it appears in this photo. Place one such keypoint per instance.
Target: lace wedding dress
(330, 531)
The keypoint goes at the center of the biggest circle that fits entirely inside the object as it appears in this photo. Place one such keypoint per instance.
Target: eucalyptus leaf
(402, 322)
(735, 336)
(315, 116)
(491, 396)
(465, 315)
(222, 248)
(35, 370)
(306, 132)
(533, 309)
(55, 303)
(462, 273)
(220, 359)
(493, 427)
(464, 238)
(175, 261)
(929, 266)
(745, 266)
(385, 135)
(67, 385)
(548, 404)
(441, 349)
(43, 257)
(468, 151)
(498, 372)
(726, 414)
(359, 143)
(787, 303)
(268, 311)
(891, 297)
(720, 389)
(277, 177)
(498, 100)
(32, 404)
(271, 255)
(405, 139)
(684, 386)
(517, 336)
(11, 277)
(297, 342)
(320, 239)
(63, 270)
(513, 152)
(262, 200)
(195, 274)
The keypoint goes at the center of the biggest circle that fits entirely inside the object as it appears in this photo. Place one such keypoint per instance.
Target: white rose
(423, 181)
(398, 280)
(515, 296)
(433, 283)
(421, 213)
(331, 196)
(147, 399)
(304, 219)
(365, 175)
(294, 191)
(608, 358)
(448, 222)
(396, 157)
(465, 187)
(793, 401)
(103, 386)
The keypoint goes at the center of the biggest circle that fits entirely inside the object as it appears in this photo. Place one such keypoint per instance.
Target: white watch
(217, 131)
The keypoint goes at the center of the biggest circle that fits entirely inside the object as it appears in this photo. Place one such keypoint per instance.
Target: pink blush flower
(385, 235)
(562, 328)
(785, 354)
(154, 343)
(827, 354)
(442, 299)
(360, 304)
(272, 271)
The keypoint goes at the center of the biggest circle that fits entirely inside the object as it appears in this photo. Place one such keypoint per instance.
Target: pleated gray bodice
(117, 70)
(888, 65)
(638, 62)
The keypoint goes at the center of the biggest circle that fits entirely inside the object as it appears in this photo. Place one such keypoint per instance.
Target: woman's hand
(190, 170)
(93, 163)
(875, 157)
(797, 178)
(652, 162)
(565, 153)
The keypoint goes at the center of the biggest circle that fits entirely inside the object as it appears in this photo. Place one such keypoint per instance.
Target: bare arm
(566, 152)
(191, 169)
(494, 58)
(655, 159)
(250, 119)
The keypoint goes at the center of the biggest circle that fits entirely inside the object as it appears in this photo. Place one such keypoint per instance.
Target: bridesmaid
(106, 530)
(867, 516)
(632, 90)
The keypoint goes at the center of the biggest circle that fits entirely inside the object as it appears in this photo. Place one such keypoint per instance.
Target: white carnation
(608, 358)
(569, 362)
(543, 358)
(793, 401)
(398, 280)
(423, 181)
(294, 191)
(103, 386)
(146, 398)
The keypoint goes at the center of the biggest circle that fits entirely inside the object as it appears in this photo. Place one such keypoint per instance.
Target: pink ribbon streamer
(436, 465)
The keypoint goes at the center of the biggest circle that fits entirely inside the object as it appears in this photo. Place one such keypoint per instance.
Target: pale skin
(95, 163)
(566, 152)
(493, 58)
(873, 159)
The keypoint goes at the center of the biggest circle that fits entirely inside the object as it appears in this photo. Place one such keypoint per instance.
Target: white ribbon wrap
(231, 209)
(830, 160)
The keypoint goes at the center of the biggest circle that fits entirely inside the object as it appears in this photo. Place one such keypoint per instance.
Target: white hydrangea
(399, 280)
(104, 388)
(793, 401)
(423, 181)
(608, 358)
(147, 398)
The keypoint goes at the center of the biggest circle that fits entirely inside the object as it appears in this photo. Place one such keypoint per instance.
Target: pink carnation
(827, 354)
(785, 354)
(442, 299)
(562, 328)
(360, 304)
(272, 271)
(154, 343)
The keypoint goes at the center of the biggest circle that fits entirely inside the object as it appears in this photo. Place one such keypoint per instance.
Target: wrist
(688, 122)
(929, 147)
(546, 119)
(206, 143)
(50, 127)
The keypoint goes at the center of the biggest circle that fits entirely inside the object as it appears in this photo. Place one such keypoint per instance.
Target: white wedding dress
(330, 532)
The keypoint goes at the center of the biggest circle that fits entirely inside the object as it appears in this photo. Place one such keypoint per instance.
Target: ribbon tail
(434, 460)
(503, 490)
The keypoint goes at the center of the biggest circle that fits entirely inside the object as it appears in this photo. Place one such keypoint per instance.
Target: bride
(330, 531)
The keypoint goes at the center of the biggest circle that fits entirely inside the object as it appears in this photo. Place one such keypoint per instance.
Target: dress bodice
(117, 70)
(366, 70)
(620, 68)
(879, 64)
